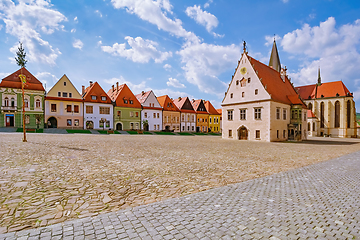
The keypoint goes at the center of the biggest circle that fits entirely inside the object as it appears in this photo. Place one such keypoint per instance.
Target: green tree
(21, 54)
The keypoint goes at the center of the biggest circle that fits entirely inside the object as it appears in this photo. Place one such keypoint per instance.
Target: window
(230, 115)
(131, 101)
(242, 114)
(188, 128)
(348, 113)
(104, 110)
(210, 120)
(68, 122)
(76, 108)
(103, 98)
(6, 102)
(13, 102)
(337, 114)
(136, 114)
(243, 94)
(70, 94)
(249, 80)
(277, 133)
(257, 113)
(136, 125)
(182, 118)
(154, 115)
(294, 114)
(37, 103)
(322, 109)
(145, 114)
(93, 97)
(131, 125)
(64, 94)
(59, 94)
(257, 134)
(177, 127)
(101, 123)
(27, 119)
(304, 116)
(158, 115)
(26, 103)
(230, 133)
(107, 124)
(309, 127)
(314, 127)
(53, 107)
(231, 95)
(192, 128)
(76, 122)
(64, 83)
(205, 119)
(125, 101)
(278, 113)
(237, 82)
(89, 109)
(118, 113)
(256, 91)
(284, 114)
(310, 106)
(131, 114)
(68, 108)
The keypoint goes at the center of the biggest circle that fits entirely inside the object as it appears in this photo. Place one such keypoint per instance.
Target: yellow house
(202, 116)
(214, 117)
(64, 106)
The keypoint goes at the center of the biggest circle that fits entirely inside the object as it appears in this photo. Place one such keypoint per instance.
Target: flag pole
(23, 80)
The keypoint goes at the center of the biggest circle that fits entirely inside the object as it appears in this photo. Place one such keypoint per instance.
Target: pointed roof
(167, 104)
(60, 86)
(184, 105)
(199, 106)
(274, 58)
(143, 96)
(310, 114)
(123, 96)
(210, 108)
(219, 111)
(14, 81)
(319, 77)
(329, 89)
(280, 90)
(95, 90)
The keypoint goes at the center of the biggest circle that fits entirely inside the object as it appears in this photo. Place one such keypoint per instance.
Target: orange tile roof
(142, 96)
(13, 81)
(121, 93)
(210, 108)
(219, 110)
(95, 90)
(310, 114)
(179, 102)
(198, 103)
(280, 91)
(329, 89)
(167, 104)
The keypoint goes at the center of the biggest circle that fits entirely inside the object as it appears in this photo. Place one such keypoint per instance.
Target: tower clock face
(243, 70)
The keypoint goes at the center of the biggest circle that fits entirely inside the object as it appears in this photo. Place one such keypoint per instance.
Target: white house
(151, 111)
(188, 114)
(98, 108)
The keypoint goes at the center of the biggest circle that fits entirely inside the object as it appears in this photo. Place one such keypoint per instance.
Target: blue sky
(180, 48)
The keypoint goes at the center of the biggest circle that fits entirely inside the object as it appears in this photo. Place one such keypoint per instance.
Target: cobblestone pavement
(319, 201)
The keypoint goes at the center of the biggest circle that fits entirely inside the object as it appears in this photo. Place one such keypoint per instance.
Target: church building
(261, 103)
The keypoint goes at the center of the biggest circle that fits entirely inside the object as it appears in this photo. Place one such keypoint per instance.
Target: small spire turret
(319, 77)
(274, 58)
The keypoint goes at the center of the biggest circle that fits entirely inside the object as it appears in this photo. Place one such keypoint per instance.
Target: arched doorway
(52, 122)
(243, 133)
(119, 126)
(89, 125)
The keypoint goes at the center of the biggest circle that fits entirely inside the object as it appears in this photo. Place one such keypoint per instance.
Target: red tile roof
(280, 91)
(179, 102)
(219, 110)
(310, 114)
(167, 104)
(329, 89)
(13, 81)
(196, 104)
(142, 96)
(95, 90)
(121, 93)
(210, 108)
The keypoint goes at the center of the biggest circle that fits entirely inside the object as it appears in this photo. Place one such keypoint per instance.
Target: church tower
(274, 58)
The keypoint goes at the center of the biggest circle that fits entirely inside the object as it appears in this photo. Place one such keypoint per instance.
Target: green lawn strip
(148, 133)
(185, 134)
(164, 133)
(132, 132)
(103, 131)
(33, 130)
(78, 131)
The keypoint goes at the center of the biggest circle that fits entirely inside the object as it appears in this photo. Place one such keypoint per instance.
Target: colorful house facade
(151, 114)
(214, 117)
(202, 116)
(127, 108)
(64, 106)
(171, 114)
(11, 101)
(98, 108)
(188, 114)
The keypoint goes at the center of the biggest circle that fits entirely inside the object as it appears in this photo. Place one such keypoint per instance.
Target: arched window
(314, 127)
(337, 114)
(37, 103)
(310, 106)
(26, 103)
(13, 102)
(322, 109)
(348, 113)
(6, 102)
(309, 127)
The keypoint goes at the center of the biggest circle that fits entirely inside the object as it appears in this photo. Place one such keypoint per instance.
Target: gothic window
(337, 114)
(314, 127)
(309, 126)
(322, 109)
(348, 113)
(310, 106)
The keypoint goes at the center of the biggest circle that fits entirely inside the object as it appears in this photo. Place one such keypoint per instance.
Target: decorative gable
(123, 96)
(94, 93)
(148, 99)
(64, 89)
(13, 81)
(167, 104)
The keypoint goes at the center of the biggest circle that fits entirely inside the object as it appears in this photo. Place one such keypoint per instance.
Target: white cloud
(76, 19)
(47, 79)
(203, 63)
(1, 26)
(135, 88)
(99, 13)
(335, 50)
(73, 30)
(207, 4)
(140, 50)
(270, 39)
(173, 82)
(156, 12)
(167, 66)
(99, 43)
(171, 93)
(26, 21)
(78, 44)
(202, 17)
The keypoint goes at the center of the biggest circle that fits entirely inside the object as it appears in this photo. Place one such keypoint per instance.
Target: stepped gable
(14, 81)
(95, 90)
(167, 104)
(184, 105)
(120, 93)
(280, 91)
(210, 108)
(329, 89)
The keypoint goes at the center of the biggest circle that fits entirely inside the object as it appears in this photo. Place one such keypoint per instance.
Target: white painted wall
(95, 117)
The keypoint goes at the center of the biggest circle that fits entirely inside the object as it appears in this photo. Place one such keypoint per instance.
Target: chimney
(117, 86)
(179, 99)
(113, 88)
(193, 100)
(142, 93)
(91, 83)
(83, 89)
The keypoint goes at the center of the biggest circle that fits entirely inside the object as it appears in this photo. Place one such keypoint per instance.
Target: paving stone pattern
(319, 201)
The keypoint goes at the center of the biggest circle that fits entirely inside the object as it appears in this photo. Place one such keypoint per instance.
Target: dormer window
(103, 98)
(93, 97)
(131, 101)
(125, 101)
(337, 94)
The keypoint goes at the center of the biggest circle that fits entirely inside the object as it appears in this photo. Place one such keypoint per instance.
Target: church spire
(319, 78)
(274, 58)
